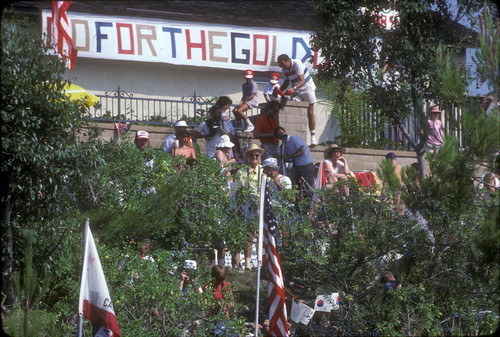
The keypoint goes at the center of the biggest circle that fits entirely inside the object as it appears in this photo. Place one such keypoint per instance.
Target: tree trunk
(7, 245)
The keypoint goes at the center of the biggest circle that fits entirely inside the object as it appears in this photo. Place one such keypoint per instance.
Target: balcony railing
(120, 106)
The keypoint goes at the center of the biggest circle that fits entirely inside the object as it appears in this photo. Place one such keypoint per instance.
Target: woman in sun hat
(335, 164)
(435, 136)
(223, 151)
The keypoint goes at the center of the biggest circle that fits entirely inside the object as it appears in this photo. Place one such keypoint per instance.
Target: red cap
(274, 78)
(248, 73)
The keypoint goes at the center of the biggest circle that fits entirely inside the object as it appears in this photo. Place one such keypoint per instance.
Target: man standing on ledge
(302, 86)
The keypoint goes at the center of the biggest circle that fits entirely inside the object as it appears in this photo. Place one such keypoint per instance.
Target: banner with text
(183, 43)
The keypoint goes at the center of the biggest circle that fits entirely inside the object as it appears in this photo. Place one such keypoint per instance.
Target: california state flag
(95, 303)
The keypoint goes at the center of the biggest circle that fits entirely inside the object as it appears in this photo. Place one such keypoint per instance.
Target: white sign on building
(183, 43)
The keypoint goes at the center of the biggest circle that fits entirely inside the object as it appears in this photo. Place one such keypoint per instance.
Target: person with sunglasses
(335, 164)
(248, 179)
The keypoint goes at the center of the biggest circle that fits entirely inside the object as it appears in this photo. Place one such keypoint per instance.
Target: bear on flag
(95, 303)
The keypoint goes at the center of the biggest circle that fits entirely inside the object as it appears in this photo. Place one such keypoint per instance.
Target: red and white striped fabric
(321, 178)
(95, 303)
(278, 324)
(60, 33)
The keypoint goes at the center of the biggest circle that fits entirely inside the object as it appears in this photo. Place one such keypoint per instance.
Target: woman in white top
(335, 165)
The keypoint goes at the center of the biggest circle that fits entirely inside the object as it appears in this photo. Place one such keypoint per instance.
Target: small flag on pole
(278, 324)
(326, 303)
(60, 33)
(301, 313)
(95, 303)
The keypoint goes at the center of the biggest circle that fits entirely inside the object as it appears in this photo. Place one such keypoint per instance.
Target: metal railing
(120, 106)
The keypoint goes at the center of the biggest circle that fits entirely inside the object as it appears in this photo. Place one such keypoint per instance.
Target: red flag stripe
(278, 325)
(101, 317)
(60, 32)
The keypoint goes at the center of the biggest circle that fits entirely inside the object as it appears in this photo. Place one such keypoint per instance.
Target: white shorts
(252, 104)
(309, 96)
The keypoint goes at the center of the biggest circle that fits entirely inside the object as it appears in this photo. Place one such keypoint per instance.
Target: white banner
(183, 43)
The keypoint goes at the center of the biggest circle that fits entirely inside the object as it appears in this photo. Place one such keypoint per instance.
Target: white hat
(225, 142)
(271, 162)
(189, 264)
(142, 135)
(180, 123)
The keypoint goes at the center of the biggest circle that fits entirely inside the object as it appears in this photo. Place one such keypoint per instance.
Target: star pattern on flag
(269, 217)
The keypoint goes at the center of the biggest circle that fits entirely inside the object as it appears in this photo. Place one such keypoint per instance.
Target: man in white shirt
(303, 86)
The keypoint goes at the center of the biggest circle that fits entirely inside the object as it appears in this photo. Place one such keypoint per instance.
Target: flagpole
(263, 182)
(80, 316)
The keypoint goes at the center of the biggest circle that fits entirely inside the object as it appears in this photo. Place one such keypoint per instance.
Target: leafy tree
(40, 152)
(357, 50)
(360, 126)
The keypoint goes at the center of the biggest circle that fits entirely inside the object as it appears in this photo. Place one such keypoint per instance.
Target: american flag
(278, 325)
(60, 32)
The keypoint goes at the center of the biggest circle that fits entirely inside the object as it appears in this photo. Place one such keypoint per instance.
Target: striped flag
(60, 33)
(321, 178)
(278, 325)
(95, 303)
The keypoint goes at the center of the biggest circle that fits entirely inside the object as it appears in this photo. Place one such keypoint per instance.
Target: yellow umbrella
(77, 93)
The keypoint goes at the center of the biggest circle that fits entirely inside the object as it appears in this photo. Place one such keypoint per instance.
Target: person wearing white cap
(280, 182)
(141, 140)
(179, 127)
(248, 100)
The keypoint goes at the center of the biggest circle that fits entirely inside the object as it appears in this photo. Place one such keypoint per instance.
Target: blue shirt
(292, 145)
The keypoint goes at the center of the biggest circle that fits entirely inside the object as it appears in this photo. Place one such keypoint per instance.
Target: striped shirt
(293, 75)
